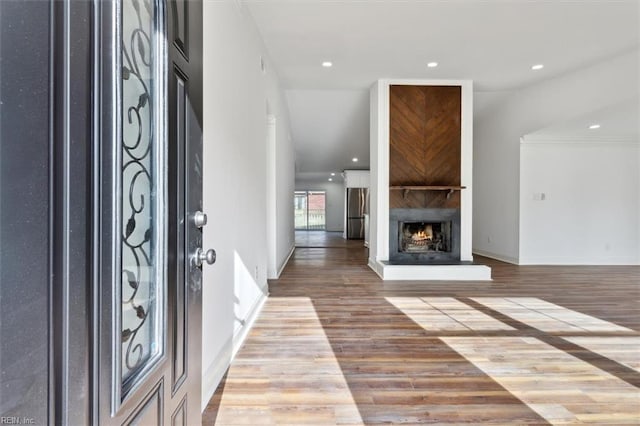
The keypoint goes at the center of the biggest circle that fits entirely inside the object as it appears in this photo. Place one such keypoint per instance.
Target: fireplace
(424, 236)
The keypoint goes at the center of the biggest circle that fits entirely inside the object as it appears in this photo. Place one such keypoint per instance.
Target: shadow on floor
(399, 373)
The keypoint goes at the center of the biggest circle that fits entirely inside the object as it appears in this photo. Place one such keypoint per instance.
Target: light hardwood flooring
(336, 345)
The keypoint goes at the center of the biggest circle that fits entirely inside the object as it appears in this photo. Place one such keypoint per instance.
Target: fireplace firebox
(424, 236)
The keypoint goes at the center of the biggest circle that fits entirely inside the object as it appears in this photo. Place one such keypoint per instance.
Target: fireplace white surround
(379, 190)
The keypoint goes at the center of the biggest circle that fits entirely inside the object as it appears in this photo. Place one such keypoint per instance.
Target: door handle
(201, 256)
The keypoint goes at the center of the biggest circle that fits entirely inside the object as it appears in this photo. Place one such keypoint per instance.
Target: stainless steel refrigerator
(357, 207)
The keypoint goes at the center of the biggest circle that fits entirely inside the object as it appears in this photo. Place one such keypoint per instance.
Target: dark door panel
(24, 210)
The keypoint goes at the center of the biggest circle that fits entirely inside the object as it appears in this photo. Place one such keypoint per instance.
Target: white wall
(335, 201)
(497, 141)
(377, 176)
(285, 179)
(357, 178)
(589, 213)
(236, 94)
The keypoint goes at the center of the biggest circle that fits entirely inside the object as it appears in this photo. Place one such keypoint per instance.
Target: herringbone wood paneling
(425, 131)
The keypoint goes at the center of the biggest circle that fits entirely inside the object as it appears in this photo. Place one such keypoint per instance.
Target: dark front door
(101, 178)
(151, 239)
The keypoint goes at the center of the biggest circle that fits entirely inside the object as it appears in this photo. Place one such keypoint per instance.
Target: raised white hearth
(390, 272)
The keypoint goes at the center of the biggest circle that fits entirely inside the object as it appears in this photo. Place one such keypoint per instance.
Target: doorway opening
(310, 210)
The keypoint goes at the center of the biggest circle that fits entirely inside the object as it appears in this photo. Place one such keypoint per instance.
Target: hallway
(336, 345)
(324, 239)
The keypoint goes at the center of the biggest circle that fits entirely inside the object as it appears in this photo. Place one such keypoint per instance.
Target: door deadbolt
(199, 219)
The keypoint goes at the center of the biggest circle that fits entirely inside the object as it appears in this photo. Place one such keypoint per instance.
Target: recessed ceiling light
(537, 67)
(594, 126)
(333, 174)
(432, 64)
(327, 64)
(354, 159)
(330, 180)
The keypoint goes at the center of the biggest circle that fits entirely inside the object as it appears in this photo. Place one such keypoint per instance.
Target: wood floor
(322, 239)
(538, 345)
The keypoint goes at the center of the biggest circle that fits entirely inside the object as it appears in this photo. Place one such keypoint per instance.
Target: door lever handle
(208, 256)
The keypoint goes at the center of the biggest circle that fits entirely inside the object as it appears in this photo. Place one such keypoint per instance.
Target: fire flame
(424, 234)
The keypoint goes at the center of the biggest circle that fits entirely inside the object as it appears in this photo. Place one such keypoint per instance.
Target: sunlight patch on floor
(287, 372)
(445, 314)
(558, 386)
(622, 349)
(546, 316)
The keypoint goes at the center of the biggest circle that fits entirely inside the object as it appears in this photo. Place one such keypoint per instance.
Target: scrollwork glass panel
(141, 192)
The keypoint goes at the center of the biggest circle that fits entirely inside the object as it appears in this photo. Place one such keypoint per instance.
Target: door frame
(73, 186)
(77, 133)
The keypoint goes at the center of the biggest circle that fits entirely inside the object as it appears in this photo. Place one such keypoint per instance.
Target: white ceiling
(492, 42)
(330, 127)
(621, 121)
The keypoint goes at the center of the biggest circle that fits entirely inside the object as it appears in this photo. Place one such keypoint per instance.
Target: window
(309, 210)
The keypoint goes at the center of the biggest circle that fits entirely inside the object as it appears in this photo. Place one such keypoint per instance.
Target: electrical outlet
(256, 273)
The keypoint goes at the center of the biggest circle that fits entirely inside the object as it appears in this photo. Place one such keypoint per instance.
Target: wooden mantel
(407, 188)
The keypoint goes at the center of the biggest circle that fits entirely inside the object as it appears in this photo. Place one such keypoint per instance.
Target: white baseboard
(216, 370)
(577, 260)
(284, 264)
(500, 257)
